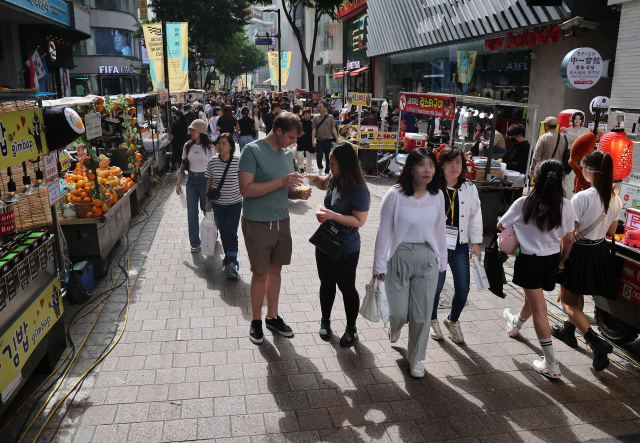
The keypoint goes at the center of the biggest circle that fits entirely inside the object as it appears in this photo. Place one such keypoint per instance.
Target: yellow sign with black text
(19, 341)
(21, 137)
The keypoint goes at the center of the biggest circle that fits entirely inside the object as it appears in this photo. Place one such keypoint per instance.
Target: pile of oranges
(127, 182)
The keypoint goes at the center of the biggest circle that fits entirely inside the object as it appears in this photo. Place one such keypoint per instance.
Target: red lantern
(616, 144)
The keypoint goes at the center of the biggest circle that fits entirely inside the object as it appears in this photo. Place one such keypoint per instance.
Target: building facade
(110, 61)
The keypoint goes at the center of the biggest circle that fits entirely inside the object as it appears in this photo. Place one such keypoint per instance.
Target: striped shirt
(230, 192)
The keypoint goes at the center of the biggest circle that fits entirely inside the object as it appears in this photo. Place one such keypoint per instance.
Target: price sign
(54, 191)
(359, 98)
(93, 125)
(65, 161)
(23, 273)
(34, 265)
(50, 254)
(42, 255)
(3, 294)
(12, 283)
(50, 165)
(81, 153)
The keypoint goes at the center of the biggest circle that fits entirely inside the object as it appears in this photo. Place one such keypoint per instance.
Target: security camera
(579, 22)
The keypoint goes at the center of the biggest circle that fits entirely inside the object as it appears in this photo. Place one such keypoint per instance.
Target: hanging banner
(26, 333)
(143, 10)
(249, 84)
(153, 43)
(239, 83)
(178, 53)
(216, 85)
(21, 137)
(359, 98)
(425, 104)
(285, 67)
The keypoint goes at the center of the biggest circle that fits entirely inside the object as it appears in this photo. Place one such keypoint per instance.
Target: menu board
(12, 283)
(3, 293)
(23, 273)
(34, 265)
(42, 255)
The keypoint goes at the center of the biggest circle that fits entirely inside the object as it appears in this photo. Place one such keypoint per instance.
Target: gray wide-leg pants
(411, 282)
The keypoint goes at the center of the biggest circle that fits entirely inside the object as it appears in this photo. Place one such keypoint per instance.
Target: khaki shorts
(267, 243)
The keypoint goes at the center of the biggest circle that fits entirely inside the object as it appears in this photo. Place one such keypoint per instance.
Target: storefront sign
(377, 138)
(21, 137)
(425, 104)
(525, 38)
(317, 96)
(581, 68)
(57, 10)
(50, 165)
(353, 65)
(116, 70)
(18, 343)
(359, 98)
(143, 9)
(349, 7)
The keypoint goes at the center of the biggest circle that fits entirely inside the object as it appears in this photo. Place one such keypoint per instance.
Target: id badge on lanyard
(452, 237)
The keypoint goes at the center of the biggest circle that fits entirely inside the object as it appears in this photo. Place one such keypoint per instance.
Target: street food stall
(32, 260)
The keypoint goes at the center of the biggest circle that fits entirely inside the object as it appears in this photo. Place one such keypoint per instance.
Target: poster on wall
(65, 83)
(113, 41)
(424, 104)
(581, 68)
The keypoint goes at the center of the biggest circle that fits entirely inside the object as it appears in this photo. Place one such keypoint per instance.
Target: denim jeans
(227, 220)
(196, 193)
(244, 139)
(459, 264)
(323, 147)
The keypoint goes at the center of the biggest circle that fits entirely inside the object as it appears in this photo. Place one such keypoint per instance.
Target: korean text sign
(434, 105)
(359, 99)
(18, 343)
(21, 137)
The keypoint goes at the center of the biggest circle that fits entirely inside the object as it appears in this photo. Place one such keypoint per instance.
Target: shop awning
(359, 71)
(338, 74)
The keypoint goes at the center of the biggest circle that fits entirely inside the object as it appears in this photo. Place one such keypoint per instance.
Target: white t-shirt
(198, 157)
(532, 240)
(589, 207)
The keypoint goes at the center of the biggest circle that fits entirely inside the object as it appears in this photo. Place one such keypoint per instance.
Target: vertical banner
(216, 85)
(178, 56)
(285, 67)
(239, 83)
(143, 10)
(249, 84)
(273, 67)
(153, 42)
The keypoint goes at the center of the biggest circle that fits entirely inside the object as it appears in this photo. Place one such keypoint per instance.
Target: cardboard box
(481, 174)
(630, 196)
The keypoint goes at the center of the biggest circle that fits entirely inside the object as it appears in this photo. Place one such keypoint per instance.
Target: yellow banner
(18, 343)
(285, 66)
(153, 42)
(239, 84)
(22, 138)
(177, 49)
(359, 98)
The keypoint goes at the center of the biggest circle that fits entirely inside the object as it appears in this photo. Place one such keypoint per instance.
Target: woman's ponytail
(601, 165)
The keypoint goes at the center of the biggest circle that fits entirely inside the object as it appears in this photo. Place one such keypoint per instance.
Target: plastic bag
(208, 234)
(370, 308)
(479, 275)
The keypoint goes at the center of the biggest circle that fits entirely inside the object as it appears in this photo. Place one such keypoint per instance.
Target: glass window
(83, 85)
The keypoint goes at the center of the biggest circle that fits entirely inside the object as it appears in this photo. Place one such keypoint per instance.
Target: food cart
(32, 332)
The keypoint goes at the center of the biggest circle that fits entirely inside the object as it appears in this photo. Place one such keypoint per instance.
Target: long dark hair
(350, 172)
(227, 114)
(415, 157)
(449, 155)
(544, 204)
(259, 114)
(205, 142)
(601, 164)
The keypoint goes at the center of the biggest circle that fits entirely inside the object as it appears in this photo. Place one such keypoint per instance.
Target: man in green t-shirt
(267, 181)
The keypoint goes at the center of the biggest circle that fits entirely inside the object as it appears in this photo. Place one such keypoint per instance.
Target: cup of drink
(319, 214)
(303, 190)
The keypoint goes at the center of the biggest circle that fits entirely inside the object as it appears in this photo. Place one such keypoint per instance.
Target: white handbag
(208, 234)
(370, 308)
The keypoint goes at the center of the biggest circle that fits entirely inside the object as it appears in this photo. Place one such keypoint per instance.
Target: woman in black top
(179, 136)
(248, 128)
(518, 154)
(227, 123)
(304, 142)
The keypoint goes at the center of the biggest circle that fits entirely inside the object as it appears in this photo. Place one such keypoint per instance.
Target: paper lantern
(616, 144)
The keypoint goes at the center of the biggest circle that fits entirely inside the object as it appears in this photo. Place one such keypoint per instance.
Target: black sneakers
(325, 329)
(349, 337)
(255, 333)
(278, 325)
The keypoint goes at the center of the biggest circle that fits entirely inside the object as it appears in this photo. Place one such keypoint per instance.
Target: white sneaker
(417, 370)
(434, 330)
(548, 370)
(512, 329)
(320, 174)
(455, 330)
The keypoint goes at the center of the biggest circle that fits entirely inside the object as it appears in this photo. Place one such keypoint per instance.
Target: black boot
(566, 333)
(600, 349)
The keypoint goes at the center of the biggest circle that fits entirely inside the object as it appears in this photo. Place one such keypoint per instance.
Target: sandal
(232, 272)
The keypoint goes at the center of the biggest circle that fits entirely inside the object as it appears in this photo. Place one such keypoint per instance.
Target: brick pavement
(185, 369)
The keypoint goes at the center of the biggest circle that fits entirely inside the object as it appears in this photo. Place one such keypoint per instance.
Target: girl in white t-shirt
(590, 267)
(540, 220)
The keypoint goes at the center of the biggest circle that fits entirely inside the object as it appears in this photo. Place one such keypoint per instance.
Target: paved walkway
(185, 369)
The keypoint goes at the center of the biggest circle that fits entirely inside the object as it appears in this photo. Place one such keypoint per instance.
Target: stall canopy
(84, 101)
(359, 71)
(338, 74)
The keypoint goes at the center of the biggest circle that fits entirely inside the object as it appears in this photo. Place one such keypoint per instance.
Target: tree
(320, 7)
(242, 56)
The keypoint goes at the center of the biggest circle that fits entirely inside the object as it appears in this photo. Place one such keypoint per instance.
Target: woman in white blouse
(590, 267)
(256, 115)
(410, 250)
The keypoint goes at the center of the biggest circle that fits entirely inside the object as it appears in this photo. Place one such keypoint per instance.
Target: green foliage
(242, 56)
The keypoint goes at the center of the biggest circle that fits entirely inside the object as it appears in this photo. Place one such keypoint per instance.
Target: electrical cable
(103, 296)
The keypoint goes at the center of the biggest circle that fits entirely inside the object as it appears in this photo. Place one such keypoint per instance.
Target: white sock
(519, 321)
(547, 348)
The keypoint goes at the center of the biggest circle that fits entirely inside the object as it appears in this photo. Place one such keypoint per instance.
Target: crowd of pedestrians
(430, 220)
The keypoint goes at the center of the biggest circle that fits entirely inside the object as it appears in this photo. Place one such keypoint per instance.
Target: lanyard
(452, 206)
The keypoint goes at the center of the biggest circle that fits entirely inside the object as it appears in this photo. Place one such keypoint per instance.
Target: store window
(116, 85)
(463, 69)
(106, 41)
(82, 85)
(112, 5)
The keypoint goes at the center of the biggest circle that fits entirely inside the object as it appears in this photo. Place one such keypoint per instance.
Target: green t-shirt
(259, 159)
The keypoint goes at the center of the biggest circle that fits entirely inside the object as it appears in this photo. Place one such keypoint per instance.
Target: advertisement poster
(377, 139)
(285, 67)
(153, 43)
(177, 55)
(21, 136)
(359, 98)
(18, 343)
(425, 104)
(65, 83)
(114, 41)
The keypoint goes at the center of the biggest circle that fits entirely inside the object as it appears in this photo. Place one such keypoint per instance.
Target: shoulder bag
(330, 239)
(214, 193)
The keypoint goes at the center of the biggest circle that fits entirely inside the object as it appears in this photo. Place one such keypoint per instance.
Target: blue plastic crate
(84, 269)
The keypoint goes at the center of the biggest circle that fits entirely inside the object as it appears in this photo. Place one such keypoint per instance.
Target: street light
(278, 36)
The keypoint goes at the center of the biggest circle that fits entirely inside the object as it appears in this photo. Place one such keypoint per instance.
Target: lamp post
(278, 36)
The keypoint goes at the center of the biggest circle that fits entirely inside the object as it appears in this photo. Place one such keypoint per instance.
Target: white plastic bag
(208, 234)
(384, 304)
(479, 275)
(370, 308)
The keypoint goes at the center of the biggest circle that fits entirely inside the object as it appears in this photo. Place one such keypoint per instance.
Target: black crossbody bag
(214, 193)
(330, 239)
